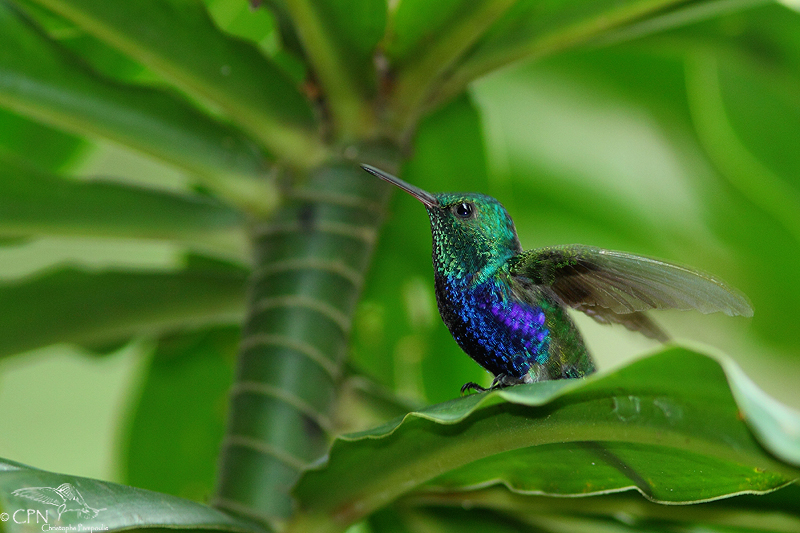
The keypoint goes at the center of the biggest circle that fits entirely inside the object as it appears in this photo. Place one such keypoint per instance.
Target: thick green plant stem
(310, 262)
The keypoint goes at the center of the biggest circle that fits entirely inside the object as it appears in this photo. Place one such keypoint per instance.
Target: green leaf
(32, 498)
(100, 56)
(776, 511)
(35, 143)
(71, 305)
(184, 395)
(41, 80)
(33, 203)
(652, 426)
(178, 40)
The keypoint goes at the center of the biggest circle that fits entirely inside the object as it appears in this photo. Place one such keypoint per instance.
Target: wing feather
(586, 277)
(40, 494)
(633, 321)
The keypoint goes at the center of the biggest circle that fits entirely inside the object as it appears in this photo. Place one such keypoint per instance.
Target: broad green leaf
(35, 143)
(71, 305)
(184, 395)
(652, 426)
(101, 57)
(776, 511)
(178, 40)
(33, 203)
(41, 80)
(32, 500)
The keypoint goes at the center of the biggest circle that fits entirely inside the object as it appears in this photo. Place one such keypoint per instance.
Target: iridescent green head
(472, 233)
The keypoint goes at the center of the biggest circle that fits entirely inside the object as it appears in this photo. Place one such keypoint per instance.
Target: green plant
(665, 128)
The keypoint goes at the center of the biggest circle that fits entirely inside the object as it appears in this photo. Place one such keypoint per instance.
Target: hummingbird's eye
(463, 210)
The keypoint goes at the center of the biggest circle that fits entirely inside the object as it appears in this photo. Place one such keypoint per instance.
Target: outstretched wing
(609, 285)
(41, 494)
(637, 321)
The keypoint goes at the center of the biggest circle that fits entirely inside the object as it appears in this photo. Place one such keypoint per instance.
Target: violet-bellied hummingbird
(507, 308)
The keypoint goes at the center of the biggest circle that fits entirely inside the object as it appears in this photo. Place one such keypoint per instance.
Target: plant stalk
(311, 259)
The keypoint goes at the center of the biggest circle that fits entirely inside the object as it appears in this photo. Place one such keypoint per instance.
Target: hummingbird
(65, 497)
(507, 308)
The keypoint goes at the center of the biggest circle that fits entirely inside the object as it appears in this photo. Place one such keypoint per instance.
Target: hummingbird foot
(472, 386)
(500, 381)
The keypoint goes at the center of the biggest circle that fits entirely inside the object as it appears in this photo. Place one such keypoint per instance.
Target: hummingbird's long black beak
(423, 196)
